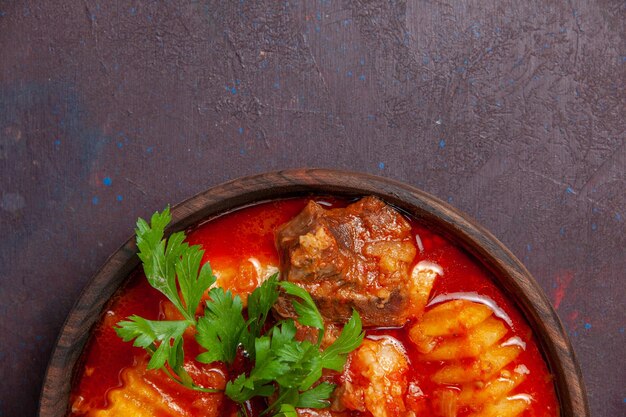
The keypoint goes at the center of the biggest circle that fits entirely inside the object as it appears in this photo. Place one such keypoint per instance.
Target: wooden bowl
(511, 276)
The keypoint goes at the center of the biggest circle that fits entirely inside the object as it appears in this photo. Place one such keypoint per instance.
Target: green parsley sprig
(283, 368)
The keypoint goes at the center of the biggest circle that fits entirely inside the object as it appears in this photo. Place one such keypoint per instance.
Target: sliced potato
(492, 391)
(423, 343)
(483, 368)
(506, 407)
(445, 402)
(495, 359)
(138, 399)
(453, 317)
(456, 373)
(447, 319)
(477, 340)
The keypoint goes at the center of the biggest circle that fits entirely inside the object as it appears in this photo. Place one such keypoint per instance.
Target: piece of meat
(354, 257)
(376, 380)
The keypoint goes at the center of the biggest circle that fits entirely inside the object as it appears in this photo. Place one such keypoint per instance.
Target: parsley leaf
(260, 380)
(334, 357)
(286, 410)
(308, 314)
(260, 303)
(316, 397)
(193, 284)
(147, 332)
(171, 263)
(221, 328)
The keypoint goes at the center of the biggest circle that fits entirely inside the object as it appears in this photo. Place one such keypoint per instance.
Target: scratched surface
(513, 111)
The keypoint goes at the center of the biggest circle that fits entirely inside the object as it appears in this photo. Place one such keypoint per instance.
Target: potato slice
(485, 367)
(492, 361)
(506, 407)
(447, 319)
(472, 394)
(453, 317)
(477, 340)
(137, 398)
(445, 402)
(423, 343)
(146, 393)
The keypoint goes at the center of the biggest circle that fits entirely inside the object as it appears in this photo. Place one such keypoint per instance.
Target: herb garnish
(282, 367)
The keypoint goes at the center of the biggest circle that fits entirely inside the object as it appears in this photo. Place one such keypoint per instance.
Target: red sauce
(249, 232)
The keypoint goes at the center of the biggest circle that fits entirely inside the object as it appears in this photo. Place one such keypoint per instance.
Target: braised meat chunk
(376, 380)
(354, 257)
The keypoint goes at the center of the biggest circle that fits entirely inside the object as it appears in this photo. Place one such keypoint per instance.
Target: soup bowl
(509, 274)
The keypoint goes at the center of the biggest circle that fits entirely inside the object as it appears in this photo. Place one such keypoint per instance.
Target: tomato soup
(468, 353)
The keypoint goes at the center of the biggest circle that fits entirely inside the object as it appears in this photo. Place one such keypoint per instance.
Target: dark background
(512, 111)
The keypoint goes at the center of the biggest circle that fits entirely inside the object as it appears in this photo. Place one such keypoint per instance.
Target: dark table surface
(513, 111)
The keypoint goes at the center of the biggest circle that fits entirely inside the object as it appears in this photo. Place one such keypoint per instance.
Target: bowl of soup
(450, 323)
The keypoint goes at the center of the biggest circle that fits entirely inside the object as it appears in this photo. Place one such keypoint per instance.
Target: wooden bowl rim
(510, 274)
